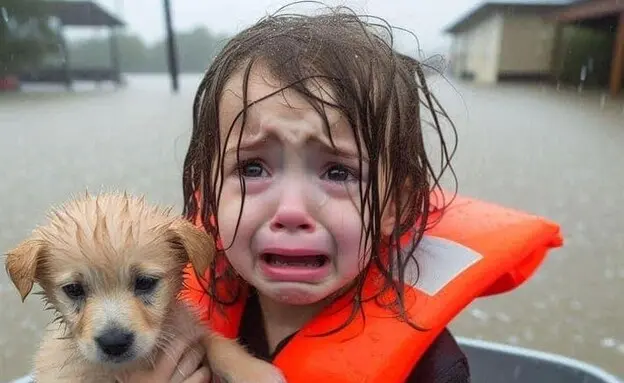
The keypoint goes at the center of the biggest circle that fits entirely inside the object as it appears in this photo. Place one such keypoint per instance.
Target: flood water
(558, 154)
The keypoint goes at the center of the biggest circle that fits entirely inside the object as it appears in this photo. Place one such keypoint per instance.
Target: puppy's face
(114, 303)
(112, 268)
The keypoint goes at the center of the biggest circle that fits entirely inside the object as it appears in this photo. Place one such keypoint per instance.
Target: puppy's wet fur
(111, 268)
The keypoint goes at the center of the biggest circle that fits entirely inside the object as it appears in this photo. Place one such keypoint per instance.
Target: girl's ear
(388, 218)
(390, 214)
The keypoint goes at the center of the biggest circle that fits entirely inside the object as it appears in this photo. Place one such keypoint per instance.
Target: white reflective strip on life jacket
(439, 262)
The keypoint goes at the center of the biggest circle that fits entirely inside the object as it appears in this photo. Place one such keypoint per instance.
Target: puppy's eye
(145, 285)
(74, 291)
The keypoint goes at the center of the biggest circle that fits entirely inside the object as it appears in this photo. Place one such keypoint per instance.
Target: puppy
(111, 267)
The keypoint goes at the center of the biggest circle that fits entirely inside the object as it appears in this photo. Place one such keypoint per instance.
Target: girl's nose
(292, 213)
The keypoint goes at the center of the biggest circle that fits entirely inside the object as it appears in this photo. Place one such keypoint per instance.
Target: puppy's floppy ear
(21, 265)
(198, 245)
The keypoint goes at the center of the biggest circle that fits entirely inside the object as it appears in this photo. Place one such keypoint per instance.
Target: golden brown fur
(92, 260)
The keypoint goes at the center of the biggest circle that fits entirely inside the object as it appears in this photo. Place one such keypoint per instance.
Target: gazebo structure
(79, 14)
(605, 15)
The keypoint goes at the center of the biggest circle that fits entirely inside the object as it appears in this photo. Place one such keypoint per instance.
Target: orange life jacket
(476, 249)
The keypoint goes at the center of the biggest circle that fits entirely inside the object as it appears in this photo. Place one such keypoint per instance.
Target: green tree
(196, 49)
(27, 34)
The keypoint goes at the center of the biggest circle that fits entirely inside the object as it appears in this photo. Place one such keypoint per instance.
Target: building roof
(82, 14)
(485, 8)
(592, 12)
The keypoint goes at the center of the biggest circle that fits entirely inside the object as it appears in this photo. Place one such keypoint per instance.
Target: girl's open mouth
(310, 261)
(295, 268)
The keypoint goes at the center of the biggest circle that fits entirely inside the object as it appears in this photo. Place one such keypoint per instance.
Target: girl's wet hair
(381, 92)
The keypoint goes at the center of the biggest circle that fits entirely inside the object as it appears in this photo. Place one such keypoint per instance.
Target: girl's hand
(179, 362)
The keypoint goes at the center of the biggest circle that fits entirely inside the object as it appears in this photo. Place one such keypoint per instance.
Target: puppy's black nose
(115, 342)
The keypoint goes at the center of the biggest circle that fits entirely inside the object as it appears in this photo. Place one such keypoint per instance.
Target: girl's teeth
(276, 261)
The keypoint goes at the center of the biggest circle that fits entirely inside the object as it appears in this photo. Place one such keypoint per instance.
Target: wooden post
(114, 55)
(66, 57)
(557, 52)
(617, 64)
(171, 47)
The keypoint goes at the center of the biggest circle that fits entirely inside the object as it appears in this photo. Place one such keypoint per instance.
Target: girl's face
(298, 240)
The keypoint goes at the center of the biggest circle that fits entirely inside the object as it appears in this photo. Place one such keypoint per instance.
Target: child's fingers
(167, 362)
(190, 362)
(200, 376)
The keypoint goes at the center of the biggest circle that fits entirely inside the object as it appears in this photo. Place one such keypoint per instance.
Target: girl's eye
(252, 169)
(339, 173)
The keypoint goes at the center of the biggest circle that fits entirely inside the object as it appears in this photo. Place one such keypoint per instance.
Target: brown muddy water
(559, 154)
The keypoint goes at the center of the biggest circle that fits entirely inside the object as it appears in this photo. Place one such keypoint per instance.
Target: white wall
(477, 49)
(527, 44)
